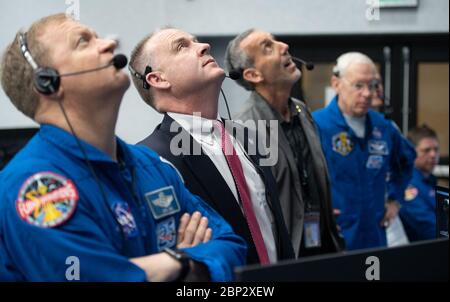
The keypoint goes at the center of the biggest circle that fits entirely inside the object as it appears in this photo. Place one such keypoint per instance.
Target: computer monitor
(415, 262)
(441, 212)
(11, 141)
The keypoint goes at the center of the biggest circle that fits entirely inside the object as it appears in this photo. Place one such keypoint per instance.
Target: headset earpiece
(141, 77)
(46, 80)
(148, 69)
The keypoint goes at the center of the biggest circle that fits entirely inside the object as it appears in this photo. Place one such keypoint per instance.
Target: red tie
(241, 184)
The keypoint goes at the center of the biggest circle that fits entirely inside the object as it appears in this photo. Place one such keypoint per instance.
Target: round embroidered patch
(47, 200)
(342, 143)
(411, 193)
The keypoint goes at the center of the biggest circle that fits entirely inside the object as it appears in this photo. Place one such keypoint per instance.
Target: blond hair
(17, 75)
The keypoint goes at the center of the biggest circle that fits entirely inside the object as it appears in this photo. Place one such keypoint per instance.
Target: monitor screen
(442, 212)
(415, 262)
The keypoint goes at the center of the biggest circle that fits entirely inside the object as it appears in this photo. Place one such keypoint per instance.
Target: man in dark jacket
(176, 75)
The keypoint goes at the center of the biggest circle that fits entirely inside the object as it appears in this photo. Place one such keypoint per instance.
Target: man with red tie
(177, 76)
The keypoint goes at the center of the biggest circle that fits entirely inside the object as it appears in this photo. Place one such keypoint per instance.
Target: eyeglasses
(372, 85)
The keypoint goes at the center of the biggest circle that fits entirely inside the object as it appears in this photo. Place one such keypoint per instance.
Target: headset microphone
(119, 61)
(308, 65)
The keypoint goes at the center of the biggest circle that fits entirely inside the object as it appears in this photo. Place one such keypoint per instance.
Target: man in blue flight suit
(418, 211)
(361, 147)
(77, 203)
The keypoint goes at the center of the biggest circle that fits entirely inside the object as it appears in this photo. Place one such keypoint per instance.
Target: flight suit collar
(337, 113)
(339, 119)
(430, 180)
(65, 141)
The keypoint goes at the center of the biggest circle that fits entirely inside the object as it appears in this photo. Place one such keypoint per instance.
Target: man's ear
(252, 75)
(156, 79)
(335, 83)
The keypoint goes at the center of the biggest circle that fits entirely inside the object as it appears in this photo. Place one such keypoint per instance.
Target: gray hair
(237, 60)
(349, 58)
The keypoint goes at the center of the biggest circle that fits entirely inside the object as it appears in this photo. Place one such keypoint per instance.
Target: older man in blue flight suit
(418, 211)
(77, 203)
(361, 148)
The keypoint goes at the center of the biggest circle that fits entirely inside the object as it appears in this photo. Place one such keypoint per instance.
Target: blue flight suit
(51, 208)
(5, 274)
(418, 211)
(358, 170)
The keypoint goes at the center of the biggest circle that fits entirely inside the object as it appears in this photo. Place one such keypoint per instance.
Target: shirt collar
(431, 179)
(339, 118)
(65, 141)
(337, 114)
(274, 114)
(200, 128)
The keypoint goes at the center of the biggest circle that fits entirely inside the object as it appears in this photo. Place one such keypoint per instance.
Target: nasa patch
(376, 133)
(47, 200)
(166, 233)
(125, 218)
(374, 162)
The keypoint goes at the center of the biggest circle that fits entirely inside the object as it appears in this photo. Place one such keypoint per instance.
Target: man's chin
(220, 75)
(121, 84)
(123, 79)
(362, 111)
(430, 168)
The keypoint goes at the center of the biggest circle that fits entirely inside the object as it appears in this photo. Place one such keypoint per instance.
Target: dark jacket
(203, 179)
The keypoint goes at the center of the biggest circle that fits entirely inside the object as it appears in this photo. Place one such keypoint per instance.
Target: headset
(141, 77)
(46, 80)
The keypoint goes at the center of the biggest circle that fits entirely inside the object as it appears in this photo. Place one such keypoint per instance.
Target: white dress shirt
(204, 132)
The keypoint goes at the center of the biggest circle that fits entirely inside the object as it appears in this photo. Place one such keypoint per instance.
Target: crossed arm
(192, 230)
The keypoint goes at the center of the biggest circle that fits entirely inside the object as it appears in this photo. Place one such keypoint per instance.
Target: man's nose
(107, 45)
(204, 49)
(284, 47)
(366, 91)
